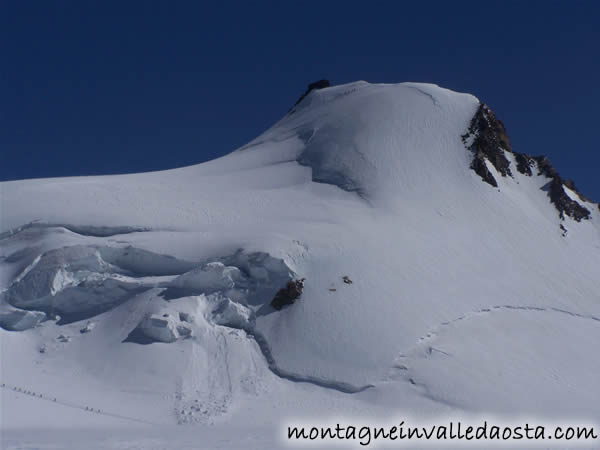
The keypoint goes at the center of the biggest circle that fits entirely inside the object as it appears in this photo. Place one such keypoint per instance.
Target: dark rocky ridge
(489, 141)
(558, 196)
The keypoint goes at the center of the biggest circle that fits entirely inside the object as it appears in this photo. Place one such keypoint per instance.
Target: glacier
(465, 297)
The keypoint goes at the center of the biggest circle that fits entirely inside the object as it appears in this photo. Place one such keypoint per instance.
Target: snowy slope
(464, 296)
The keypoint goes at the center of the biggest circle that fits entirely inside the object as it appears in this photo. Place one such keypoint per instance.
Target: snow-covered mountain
(444, 273)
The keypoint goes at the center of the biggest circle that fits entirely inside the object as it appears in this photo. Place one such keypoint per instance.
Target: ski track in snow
(431, 335)
(56, 400)
(469, 315)
(213, 406)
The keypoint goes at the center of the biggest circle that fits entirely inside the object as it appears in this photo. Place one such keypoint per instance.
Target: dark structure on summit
(321, 84)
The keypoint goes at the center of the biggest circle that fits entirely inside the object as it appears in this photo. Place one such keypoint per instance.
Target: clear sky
(113, 87)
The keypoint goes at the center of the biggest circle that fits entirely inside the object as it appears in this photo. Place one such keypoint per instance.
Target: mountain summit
(440, 272)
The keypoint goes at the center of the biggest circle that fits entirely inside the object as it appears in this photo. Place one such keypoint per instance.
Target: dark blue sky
(103, 87)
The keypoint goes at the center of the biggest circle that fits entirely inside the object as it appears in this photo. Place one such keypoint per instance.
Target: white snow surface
(464, 297)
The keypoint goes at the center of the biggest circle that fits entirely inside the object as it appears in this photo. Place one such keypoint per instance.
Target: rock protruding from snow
(524, 163)
(289, 294)
(488, 140)
(556, 191)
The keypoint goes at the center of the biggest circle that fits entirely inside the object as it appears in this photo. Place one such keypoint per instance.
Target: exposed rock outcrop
(289, 294)
(524, 163)
(561, 200)
(487, 138)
